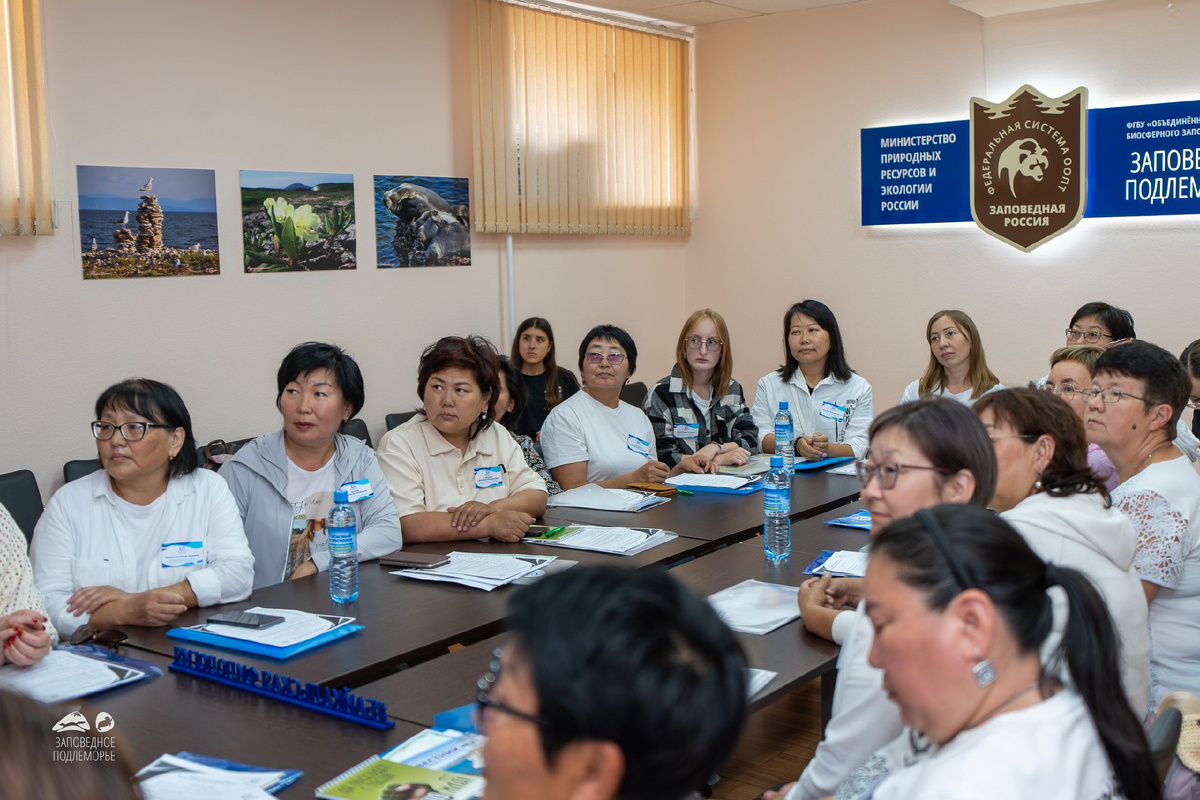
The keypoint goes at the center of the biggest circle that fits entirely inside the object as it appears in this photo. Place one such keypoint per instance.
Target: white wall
(372, 86)
(781, 100)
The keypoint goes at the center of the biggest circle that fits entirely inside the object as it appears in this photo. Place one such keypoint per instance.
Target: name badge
(487, 477)
(358, 490)
(639, 446)
(183, 554)
(833, 411)
(686, 430)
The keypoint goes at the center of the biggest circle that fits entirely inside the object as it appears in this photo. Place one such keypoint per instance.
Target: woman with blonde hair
(700, 407)
(957, 366)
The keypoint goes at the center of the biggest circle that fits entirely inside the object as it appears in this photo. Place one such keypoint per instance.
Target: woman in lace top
(26, 633)
(1134, 405)
(510, 402)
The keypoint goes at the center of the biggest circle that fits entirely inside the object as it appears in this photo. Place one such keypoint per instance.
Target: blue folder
(264, 650)
(749, 488)
(824, 462)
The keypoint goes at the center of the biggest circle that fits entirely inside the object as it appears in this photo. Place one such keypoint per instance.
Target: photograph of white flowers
(297, 221)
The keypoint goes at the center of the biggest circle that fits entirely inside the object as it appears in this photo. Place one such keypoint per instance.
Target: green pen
(686, 493)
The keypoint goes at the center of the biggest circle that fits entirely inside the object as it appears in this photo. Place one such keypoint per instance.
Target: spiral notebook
(367, 780)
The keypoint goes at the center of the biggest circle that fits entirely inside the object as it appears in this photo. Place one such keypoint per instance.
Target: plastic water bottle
(784, 436)
(777, 509)
(342, 528)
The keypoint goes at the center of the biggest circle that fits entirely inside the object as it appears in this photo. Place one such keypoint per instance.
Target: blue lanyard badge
(487, 477)
(639, 446)
(183, 554)
(358, 490)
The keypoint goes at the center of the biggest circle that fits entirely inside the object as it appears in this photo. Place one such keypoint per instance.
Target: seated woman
(1134, 405)
(1047, 491)
(284, 481)
(452, 473)
(1071, 370)
(148, 536)
(957, 366)
(1100, 324)
(699, 407)
(595, 436)
(961, 606)
(831, 406)
(507, 408)
(922, 454)
(546, 384)
(1190, 358)
(24, 628)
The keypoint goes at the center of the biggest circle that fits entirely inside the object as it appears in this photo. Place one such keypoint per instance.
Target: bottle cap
(340, 496)
(776, 462)
(783, 404)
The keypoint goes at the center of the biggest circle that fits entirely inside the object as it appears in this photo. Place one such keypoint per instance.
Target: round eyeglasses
(694, 342)
(887, 474)
(130, 431)
(611, 358)
(487, 703)
(1090, 337)
(1065, 392)
(1109, 396)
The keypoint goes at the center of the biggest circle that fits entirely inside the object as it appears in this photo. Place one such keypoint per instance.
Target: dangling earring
(1037, 485)
(984, 671)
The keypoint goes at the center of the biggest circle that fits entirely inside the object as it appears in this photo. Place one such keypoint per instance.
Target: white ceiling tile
(698, 12)
(783, 6)
(998, 8)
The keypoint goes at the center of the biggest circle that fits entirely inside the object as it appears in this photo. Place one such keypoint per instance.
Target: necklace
(1031, 687)
(1146, 460)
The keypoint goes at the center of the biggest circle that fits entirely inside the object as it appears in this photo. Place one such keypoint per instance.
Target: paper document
(169, 777)
(844, 469)
(600, 499)
(717, 481)
(297, 627)
(757, 680)
(618, 541)
(846, 562)
(756, 607)
(63, 675)
(457, 752)
(479, 570)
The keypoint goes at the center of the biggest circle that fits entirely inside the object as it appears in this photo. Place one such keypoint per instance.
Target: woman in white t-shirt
(957, 366)
(148, 536)
(921, 454)
(1134, 406)
(960, 605)
(595, 436)
(831, 405)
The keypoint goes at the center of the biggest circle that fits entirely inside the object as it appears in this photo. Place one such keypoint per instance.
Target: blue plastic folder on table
(264, 650)
(749, 488)
(859, 519)
(824, 462)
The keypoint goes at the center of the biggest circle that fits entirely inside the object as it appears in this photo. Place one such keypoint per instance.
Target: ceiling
(703, 12)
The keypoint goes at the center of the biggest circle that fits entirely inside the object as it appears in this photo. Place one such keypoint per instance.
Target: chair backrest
(19, 494)
(634, 393)
(358, 429)
(74, 470)
(1163, 738)
(396, 420)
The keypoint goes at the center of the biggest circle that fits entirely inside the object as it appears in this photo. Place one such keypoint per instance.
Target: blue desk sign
(341, 703)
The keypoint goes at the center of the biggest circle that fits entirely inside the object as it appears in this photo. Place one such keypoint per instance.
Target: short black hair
(618, 335)
(1164, 380)
(635, 658)
(157, 402)
(516, 391)
(835, 362)
(473, 353)
(304, 358)
(1118, 321)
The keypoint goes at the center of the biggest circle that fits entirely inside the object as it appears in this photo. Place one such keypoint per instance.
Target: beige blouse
(17, 592)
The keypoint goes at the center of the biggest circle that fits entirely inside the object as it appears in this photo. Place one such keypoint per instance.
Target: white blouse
(17, 592)
(841, 410)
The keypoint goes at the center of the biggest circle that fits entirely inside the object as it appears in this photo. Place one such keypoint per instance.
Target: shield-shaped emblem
(1029, 165)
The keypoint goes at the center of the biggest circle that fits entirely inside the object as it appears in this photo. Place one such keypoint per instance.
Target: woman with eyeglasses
(957, 365)
(1134, 404)
(700, 407)
(148, 536)
(929, 452)
(27, 634)
(1071, 370)
(595, 436)
(963, 611)
(1190, 358)
(453, 473)
(1049, 493)
(546, 384)
(1100, 324)
(831, 406)
(284, 481)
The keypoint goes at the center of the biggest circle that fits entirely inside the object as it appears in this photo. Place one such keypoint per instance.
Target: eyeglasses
(130, 431)
(1065, 392)
(107, 638)
(485, 685)
(694, 342)
(887, 473)
(612, 358)
(1194, 402)
(1091, 337)
(1109, 396)
(1025, 437)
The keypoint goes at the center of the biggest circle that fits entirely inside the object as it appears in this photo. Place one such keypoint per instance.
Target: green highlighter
(546, 532)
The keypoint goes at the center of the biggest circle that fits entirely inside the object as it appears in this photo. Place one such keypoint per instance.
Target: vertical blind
(26, 204)
(580, 126)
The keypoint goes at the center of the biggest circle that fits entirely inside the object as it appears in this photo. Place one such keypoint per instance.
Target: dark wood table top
(175, 713)
(724, 518)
